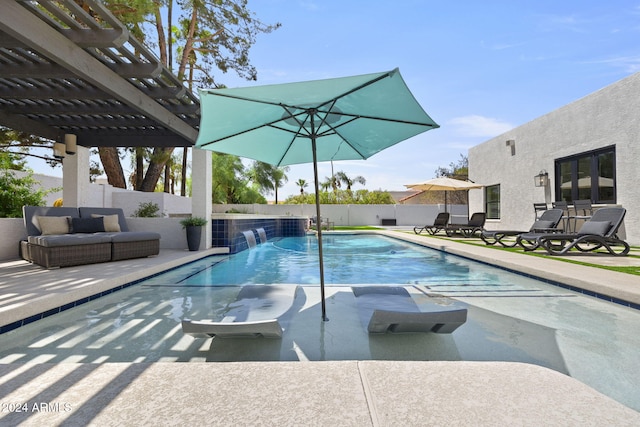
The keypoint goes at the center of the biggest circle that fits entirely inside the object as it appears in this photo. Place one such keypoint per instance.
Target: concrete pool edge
(34, 292)
(297, 393)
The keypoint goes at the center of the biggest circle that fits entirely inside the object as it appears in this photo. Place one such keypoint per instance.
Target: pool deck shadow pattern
(338, 393)
(353, 392)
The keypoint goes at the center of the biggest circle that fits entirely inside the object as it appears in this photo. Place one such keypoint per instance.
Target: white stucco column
(75, 178)
(201, 183)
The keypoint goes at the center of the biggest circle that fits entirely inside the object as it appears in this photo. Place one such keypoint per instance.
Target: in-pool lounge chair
(547, 223)
(391, 309)
(439, 223)
(473, 226)
(255, 313)
(600, 231)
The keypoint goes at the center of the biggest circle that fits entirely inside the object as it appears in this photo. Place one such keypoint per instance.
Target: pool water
(510, 317)
(354, 259)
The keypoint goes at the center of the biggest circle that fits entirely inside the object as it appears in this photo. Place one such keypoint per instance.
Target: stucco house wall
(610, 116)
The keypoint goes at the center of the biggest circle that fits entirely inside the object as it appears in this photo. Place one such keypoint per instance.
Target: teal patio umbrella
(309, 122)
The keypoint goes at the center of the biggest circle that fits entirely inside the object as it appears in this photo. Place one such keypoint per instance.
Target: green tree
(268, 178)
(302, 183)
(330, 182)
(361, 197)
(198, 39)
(17, 191)
(348, 182)
(230, 182)
(19, 145)
(456, 170)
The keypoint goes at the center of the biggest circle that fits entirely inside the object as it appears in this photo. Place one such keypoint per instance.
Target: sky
(478, 68)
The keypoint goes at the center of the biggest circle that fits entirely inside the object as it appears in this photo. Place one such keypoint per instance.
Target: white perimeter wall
(610, 116)
(173, 236)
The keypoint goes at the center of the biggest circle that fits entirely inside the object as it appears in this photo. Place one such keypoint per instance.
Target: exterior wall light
(70, 143)
(511, 143)
(542, 179)
(58, 150)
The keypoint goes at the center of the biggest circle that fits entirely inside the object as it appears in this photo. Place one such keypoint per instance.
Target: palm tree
(302, 184)
(331, 182)
(268, 177)
(342, 177)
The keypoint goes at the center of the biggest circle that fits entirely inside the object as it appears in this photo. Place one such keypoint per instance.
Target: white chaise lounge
(255, 313)
(391, 309)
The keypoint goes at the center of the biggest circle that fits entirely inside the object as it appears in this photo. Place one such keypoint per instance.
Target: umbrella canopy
(334, 119)
(444, 184)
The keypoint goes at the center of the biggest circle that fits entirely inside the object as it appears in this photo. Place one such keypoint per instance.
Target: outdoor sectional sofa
(66, 236)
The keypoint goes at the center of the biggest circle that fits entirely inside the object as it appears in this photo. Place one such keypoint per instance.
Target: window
(492, 197)
(587, 176)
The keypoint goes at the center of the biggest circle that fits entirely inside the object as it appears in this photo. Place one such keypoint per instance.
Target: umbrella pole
(319, 229)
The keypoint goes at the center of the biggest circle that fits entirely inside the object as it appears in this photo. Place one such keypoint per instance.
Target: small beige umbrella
(444, 184)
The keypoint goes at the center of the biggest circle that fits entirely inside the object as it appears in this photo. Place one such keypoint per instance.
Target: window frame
(492, 207)
(574, 162)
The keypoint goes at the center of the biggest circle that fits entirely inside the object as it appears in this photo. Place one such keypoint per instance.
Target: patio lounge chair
(547, 223)
(255, 313)
(391, 309)
(600, 231)
(439, 223)
(473, 226)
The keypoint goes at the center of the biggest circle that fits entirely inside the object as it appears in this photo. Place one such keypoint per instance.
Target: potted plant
(193, 225)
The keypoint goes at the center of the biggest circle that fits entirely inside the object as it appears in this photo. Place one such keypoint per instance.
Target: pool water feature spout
(262, 234)
(251, 238)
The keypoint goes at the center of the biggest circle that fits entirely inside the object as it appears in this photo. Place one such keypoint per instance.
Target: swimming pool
(511, 317)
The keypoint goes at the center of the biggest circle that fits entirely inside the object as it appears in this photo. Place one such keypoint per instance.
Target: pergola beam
(42, 38)
(55, 71)
(30, 127)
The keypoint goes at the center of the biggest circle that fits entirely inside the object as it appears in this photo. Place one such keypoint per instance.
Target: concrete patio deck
(294, 393)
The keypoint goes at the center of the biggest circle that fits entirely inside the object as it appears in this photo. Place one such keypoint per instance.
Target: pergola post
(75, 178)
(201, 186)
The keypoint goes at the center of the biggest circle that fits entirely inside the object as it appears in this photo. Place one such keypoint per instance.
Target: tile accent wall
(228, 232)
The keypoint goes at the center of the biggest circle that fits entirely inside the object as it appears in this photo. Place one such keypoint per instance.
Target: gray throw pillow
(86, 225)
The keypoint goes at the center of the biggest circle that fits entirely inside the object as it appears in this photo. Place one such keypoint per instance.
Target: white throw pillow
(50, 225)
(111, 223)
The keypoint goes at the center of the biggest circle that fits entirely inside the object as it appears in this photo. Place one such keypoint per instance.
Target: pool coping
(359, 393)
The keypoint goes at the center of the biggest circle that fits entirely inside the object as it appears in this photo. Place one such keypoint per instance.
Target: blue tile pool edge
(23, 322)
(19, 323)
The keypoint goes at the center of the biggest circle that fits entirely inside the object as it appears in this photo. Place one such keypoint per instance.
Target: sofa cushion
(134, 236)
(86, 225)
(111, 222)
(52, 225)
(88, 212)
(69, 239)
(31, 213)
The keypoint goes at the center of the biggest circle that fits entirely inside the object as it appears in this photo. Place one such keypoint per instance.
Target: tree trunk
(156, 165)
(188, 46)
(183, 181)
(167, 177)
(162, 41)
(139, 168)
(112, 167)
